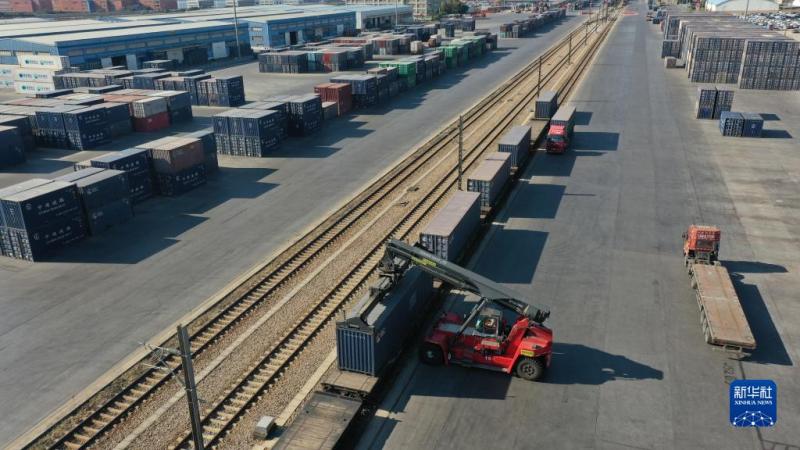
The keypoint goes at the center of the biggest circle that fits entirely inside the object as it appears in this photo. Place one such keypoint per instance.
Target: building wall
(273, 33)
(423, 9)
(741, 5)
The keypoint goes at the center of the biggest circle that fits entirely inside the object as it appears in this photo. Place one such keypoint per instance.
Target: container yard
(398, 231)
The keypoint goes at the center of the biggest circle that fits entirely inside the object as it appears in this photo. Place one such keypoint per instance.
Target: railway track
(315, 247)
(248, 389)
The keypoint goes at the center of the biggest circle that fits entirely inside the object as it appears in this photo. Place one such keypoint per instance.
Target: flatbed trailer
(721, 315)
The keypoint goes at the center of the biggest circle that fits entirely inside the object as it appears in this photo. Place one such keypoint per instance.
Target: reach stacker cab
(559, 134)
(481, 338)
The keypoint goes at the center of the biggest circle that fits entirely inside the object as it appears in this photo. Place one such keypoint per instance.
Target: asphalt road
(65, 322)
(596, 235)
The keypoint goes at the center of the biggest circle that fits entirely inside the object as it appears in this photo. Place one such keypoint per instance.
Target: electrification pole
(569, 55)
(539, 86)
(191, 388)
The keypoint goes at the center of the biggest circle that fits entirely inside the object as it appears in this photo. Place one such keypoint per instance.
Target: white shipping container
(148, 107)
(7, 71)
(28, 87)
(35, 75)
(42, 61)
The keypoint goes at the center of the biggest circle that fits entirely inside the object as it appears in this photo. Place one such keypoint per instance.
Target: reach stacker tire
(530, 369)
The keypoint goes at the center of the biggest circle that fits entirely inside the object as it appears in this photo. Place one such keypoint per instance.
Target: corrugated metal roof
(302, 15)
(70, 26)
(161, 29)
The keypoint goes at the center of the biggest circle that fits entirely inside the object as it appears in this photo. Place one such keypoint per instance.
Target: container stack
(731, 124)
(671, 47)
(386, 45)
(150, 114)
(104, 195)
(338, 93)
(50, 131)
(226, 91)
(771, 64)
(179, 105)
(364, 88)
(209, 143)
(546, 105)
(283, 62)
(40, 219)
(517, 142)
(753, 124)
(248, 132)
(6, 248)
(12, 149)
(721, 48)
(135, 162)
(406, 70)
(147, 80)
(87, 128)
(724, 102)
(706, 99)
(24, 125)
(451, 229)
(489, 178)
(163, 64)
(305, 115)
(178, 164)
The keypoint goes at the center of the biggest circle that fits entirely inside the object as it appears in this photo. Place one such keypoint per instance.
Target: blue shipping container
(103, 188)
(106, 216)
(33, 245)
(181, 182)
(34, 208)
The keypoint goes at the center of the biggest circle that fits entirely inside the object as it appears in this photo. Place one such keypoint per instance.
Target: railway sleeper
(72, 445)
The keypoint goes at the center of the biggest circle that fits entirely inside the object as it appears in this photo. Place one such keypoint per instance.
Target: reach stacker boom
(483, 338)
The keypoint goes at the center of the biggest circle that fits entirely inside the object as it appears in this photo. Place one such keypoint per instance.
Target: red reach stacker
(481, 338)
(721, 315)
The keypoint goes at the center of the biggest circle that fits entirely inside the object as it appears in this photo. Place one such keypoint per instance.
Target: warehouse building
(741, 5)
(422, 9)
(379, 17)
(196, 42)
(276, 31)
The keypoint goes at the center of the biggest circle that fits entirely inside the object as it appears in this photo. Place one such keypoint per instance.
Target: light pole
(236, 30)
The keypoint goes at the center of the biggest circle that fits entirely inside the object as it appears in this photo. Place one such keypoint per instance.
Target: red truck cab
(559, 134)
(557, 140)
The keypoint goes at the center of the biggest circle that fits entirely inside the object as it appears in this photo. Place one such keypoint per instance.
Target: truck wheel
(530, 369)
(431, 354)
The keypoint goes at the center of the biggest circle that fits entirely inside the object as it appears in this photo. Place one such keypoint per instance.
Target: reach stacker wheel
(530, 369)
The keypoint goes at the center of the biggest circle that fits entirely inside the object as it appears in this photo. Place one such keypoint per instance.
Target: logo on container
(753, 403)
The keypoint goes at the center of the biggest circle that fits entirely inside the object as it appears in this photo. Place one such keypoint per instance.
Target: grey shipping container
(148, 107)
(488, 180)
(78, 174)
(369, 340)
(517, 142)
(453, 226)
(546, 105)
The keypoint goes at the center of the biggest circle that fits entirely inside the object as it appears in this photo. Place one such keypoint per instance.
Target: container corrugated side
(369, 340)
(453, 226)
(488, 180)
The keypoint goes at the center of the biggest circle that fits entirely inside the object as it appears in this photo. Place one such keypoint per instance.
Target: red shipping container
(153, 123)
(340, 93)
